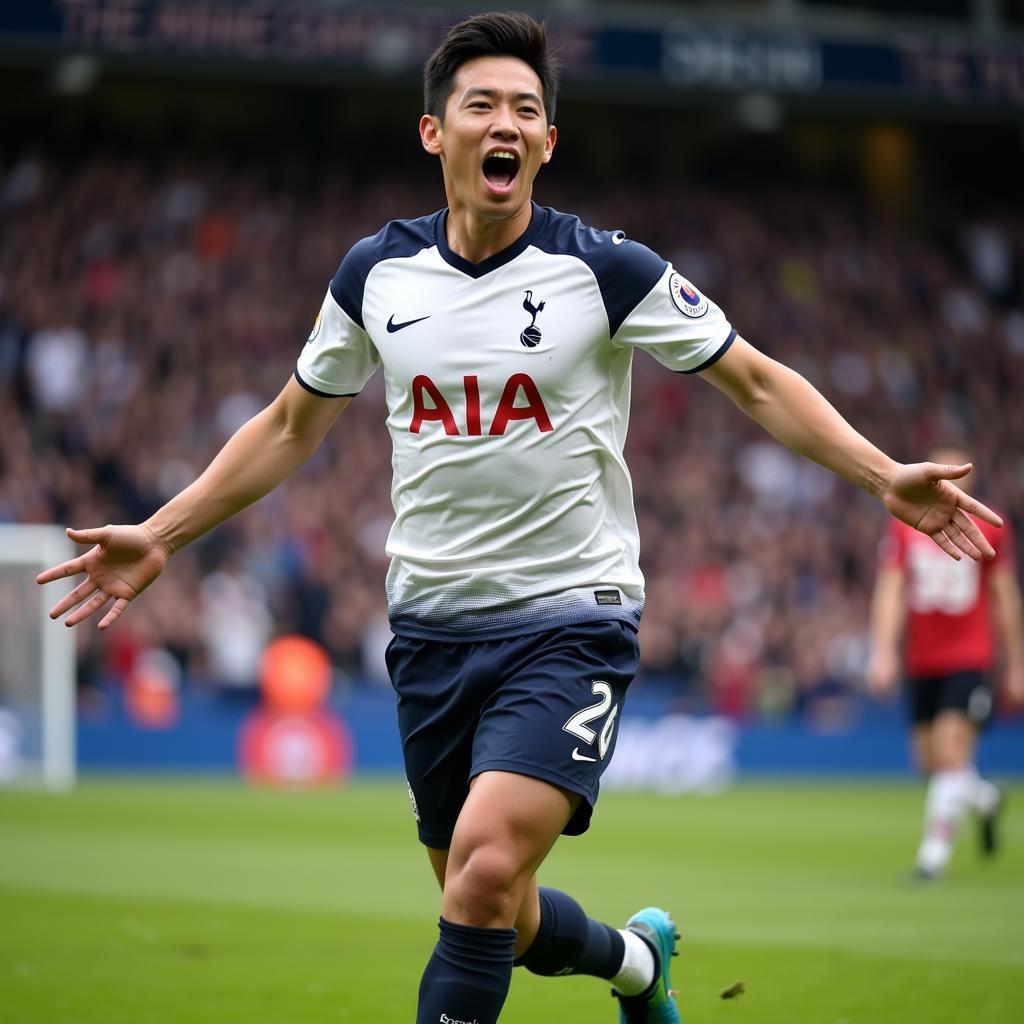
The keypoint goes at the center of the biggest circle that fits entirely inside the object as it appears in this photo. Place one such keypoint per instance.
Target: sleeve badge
(316, 328)
(686, 298)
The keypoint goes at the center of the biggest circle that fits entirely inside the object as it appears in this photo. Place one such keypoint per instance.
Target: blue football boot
(656, 1005)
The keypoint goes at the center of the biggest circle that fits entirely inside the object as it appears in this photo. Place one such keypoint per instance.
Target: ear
(430, 134)
(549, 143)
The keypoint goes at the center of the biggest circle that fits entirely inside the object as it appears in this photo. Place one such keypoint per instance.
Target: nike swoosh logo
(577, 756)
(392, 326)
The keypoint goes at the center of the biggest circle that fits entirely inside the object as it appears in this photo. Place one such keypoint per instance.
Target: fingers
(959, 529)
(960, 534)
(93, 536)
(59, 572)
(969, 529)
(878, 684)
(97, 599)
(85, 589)
(881, 677)
(75, 565)
(939, 472)
(946, 544)
(963, 542)
(975, 507)
(1015, 686)
(94, 604)
(88, 595)
(115, 613)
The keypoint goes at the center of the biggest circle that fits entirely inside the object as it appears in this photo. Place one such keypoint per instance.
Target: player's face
(494, 138)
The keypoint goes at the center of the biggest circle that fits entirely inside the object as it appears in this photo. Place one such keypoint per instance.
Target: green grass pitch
(206, 903)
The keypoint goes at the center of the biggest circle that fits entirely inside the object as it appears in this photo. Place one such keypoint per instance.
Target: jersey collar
(499, 259)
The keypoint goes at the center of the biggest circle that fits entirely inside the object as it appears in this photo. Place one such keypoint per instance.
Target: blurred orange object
(295, 675)
(293, 740)
(151, 690)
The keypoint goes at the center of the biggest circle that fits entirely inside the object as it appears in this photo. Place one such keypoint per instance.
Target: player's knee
(950, 758)
(487, 888)
(952, 746)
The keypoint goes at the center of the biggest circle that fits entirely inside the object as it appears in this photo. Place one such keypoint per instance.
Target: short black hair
(494, 34)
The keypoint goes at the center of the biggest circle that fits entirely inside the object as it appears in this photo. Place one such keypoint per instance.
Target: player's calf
(468, 975)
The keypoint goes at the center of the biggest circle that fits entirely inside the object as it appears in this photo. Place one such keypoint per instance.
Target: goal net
(37, 663)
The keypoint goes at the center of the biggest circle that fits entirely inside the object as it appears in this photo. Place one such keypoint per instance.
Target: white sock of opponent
(982, 796)
(637, 971)
(949, 794)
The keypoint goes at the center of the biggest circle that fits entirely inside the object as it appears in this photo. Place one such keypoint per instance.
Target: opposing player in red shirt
(949, 609)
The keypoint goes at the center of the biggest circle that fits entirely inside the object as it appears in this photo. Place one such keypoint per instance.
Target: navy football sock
(569, 942)
(466, 980)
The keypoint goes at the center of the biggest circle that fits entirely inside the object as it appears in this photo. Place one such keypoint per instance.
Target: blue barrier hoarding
(656, 748)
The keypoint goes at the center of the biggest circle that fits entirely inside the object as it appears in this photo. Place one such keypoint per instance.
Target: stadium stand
(146, 311)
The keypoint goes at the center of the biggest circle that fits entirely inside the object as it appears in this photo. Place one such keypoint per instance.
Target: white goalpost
(37, 663)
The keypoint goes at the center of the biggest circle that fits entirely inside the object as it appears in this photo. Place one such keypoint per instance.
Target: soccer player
(505, 332)
(949, 609)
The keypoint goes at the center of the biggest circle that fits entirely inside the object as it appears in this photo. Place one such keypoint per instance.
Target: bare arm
(124, 560)
(1009, 616)
(793, 412)
(888, 615)
(259, 456)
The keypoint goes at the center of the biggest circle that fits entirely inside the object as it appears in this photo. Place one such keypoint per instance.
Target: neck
(476, 239)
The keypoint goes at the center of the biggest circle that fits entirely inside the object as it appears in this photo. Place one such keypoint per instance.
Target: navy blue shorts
(968, 691)
(545, 705)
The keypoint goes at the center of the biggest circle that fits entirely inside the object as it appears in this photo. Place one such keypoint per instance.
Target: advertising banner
(683, 56)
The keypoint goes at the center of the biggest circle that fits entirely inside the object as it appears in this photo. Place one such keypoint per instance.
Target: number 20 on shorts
(578, 724)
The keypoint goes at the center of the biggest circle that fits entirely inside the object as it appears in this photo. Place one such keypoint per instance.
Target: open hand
(1014, 683)
(922, 496)
(882, 673)
(123, 561)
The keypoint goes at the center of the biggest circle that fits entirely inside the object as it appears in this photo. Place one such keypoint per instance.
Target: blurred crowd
(146, 313)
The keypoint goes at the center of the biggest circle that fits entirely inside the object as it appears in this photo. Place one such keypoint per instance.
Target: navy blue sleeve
(396, 239)
(349, 281)
(626, 271)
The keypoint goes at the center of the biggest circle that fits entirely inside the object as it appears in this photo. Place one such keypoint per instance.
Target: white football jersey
(508, 387)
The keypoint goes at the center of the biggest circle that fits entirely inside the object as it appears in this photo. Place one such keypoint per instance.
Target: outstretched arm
(793, 412)
(124, 560)
(888, 613)
(261, 453)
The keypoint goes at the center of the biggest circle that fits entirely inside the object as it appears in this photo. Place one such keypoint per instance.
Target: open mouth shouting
(500, 170)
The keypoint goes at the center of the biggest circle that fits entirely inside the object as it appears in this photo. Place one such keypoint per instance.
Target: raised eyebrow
(496, 93)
